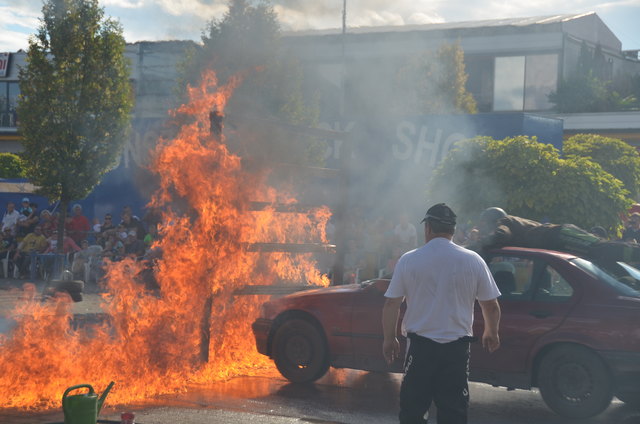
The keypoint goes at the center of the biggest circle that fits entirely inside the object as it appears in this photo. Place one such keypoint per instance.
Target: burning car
(568, 327)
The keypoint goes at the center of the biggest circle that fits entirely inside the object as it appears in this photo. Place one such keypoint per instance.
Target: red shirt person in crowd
(78, 225)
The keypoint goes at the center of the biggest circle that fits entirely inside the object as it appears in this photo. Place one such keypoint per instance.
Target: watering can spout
(104, 395)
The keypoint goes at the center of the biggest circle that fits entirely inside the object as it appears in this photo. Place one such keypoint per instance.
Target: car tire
(630, 398)
(72, 286)
(574, 382)
(300, 351)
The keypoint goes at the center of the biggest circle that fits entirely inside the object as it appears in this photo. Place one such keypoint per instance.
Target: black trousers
(435, 372)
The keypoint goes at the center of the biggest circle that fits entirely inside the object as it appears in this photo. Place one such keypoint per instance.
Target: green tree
(590, 88)
(615, 156)
(434, 82)
(75, 100)
(11, 166)
(530, 179)
(246, 40)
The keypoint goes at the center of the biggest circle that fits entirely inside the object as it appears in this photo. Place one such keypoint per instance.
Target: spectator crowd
(29, 241)
(29, 237)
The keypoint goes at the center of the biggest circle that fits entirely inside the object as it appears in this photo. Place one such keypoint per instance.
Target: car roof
(547, 252)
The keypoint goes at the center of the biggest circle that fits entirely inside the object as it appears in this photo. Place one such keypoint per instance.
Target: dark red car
(568, 327)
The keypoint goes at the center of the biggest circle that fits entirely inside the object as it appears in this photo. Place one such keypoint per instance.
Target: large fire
(152, 341)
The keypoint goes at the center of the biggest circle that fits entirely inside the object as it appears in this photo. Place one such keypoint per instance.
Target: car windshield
(624, 278)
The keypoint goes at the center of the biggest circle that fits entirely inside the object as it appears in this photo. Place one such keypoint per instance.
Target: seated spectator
(28, 224)
(10, 218)
(25, 255)
(131, 222)
(7, 242)
(48, 223)
(133, 247)
(68, 244)
(25, 207)
(121, 233)
(106, 227)
(49, 256)
(8, 245)
(114, 248)
(77, 226)
(151, 236)
(88, 254)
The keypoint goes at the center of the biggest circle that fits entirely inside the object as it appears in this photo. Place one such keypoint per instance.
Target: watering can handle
(66, 392)
(79, 386)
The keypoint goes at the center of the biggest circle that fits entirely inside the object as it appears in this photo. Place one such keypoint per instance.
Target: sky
(152, 20)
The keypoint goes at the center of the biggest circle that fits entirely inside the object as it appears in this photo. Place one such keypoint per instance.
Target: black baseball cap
(440, 213)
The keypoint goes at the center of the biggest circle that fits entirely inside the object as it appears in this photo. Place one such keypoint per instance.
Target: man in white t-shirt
(11, 218)
(441, 282)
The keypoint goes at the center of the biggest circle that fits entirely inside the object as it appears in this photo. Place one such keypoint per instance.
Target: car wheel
(300, 351)
(630, 398)
(574, 382)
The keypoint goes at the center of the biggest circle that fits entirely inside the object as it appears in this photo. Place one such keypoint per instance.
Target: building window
(524, 82)
(9, 92)
(508, 86)
(480, 81)
(541, 78)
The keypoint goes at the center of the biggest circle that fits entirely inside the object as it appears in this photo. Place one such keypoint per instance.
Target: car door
(536, 303)
(366, 329)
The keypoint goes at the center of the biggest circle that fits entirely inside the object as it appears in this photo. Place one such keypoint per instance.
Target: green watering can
(83, 409)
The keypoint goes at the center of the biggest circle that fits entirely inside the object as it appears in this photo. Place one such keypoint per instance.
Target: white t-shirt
(440, 282)
(9, 220)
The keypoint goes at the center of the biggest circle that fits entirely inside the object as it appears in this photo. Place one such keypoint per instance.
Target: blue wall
(391, 160)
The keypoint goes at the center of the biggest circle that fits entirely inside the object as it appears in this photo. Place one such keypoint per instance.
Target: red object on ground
(127, 418)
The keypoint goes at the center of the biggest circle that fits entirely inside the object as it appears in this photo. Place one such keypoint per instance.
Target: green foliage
(586, 93)
(529, 179)
(246, 37)
(591, 89)
(434, 82)
(75, 99)
(247, 40)
(615, 156)
(630, 85)
(11, 166)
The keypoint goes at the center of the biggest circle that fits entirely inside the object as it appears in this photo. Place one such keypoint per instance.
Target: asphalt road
(342, 397)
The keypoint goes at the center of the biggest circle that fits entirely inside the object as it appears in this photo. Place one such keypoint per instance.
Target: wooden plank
(282, 207)
(274, 289)
(291, 247)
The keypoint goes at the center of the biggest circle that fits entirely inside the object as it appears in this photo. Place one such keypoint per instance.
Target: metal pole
(344, 71)
(345, 154)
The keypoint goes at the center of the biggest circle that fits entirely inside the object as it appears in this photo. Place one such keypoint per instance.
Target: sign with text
(391, 160)
(4, 64)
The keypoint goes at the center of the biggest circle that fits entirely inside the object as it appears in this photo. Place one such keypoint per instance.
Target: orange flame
(150, 343)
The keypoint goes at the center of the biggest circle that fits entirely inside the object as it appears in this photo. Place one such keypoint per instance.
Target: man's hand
(490, 341)
(390, 313)
(491, 315)
(391, 349)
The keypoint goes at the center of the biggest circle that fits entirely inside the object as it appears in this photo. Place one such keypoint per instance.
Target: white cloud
(17, 22)
(12, 41)
(424, 18)
(124, 4)
(185, 19)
